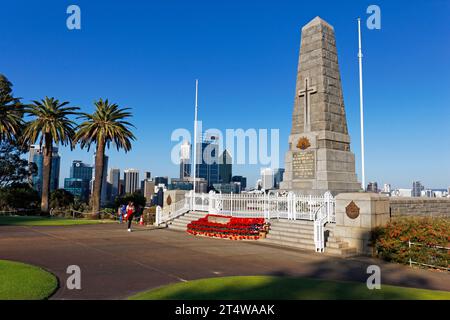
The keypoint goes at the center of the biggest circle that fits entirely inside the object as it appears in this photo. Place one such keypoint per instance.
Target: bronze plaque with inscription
(304, 165)
(352, 210)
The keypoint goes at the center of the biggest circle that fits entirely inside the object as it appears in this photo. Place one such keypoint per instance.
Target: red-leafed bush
(392, 241)
(233, 228)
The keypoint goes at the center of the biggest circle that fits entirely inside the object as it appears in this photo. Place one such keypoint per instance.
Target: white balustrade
(320, 209)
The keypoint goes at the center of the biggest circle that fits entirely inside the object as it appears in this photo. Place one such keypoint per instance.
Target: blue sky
(146, 55)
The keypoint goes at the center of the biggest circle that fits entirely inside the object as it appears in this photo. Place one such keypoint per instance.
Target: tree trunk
(98, 179)
(46, 172)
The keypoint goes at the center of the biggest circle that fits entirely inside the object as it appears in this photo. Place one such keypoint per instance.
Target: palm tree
(11, 112)
(105, 126)
(50, 124)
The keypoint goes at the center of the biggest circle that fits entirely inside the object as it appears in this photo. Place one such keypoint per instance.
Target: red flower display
(234, 229)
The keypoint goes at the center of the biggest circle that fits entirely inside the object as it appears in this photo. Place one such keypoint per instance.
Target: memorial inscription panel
(304, 165)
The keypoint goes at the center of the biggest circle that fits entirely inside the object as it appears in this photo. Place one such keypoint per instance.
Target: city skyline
(260, 41)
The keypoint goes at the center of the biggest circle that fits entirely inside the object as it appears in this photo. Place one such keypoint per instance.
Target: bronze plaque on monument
(352, 210)
(304, 165)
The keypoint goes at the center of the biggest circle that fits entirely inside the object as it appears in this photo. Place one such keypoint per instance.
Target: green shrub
(391, 242)
(20, 196)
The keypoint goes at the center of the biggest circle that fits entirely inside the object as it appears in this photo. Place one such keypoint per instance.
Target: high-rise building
(147, 175)
(427, 193)
(79, 181)
(225, 167)
(121, 187)
(207, 162)
(185, 162)
(114, 180)
(36, 156)
(104, 191)
(278, 177)
(149, 190)
(387, 188)
(80, 170)
(162, 180)
(372, 187)
(267, 178)
(417, 189)
(131, 180)
(242, 181)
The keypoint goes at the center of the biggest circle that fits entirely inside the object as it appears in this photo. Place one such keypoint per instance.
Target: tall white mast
(361, 105)
(195, 136)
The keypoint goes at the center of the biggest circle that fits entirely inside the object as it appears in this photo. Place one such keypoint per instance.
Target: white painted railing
(291, 206)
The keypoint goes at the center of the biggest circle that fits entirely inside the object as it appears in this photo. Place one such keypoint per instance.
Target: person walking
(130, 214)
(122, 212)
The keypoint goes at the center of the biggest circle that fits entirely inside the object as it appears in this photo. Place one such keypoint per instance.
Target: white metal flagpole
(361, 105)
(195, 138)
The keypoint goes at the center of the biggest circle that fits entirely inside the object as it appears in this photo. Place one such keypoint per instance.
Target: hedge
(391, 242)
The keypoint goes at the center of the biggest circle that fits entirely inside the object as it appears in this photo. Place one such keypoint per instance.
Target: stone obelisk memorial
(319, 157)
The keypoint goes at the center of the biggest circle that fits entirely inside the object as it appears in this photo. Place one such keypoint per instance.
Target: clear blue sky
(147, 54)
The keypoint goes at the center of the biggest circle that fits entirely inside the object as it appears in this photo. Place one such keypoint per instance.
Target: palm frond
(51, 117)
(106, 125)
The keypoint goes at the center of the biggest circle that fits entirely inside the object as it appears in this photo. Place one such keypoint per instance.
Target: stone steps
(180, 223)
(298, 234)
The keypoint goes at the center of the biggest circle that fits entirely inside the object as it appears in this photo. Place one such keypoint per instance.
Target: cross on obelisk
(306, 92)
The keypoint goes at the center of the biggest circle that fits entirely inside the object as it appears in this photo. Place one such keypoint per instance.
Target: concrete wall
(436, 207)
(373, 212)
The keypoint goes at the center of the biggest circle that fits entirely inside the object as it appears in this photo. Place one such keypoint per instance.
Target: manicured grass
(19, 281)
(44, 221)
(271, 287)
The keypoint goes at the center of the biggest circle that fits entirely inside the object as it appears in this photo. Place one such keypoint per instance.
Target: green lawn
(44, 221)
(19, 281)
(271, 287)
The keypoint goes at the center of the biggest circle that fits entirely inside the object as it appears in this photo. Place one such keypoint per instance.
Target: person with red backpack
(130, 214)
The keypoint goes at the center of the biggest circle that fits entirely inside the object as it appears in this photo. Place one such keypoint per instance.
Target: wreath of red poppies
(235, 229)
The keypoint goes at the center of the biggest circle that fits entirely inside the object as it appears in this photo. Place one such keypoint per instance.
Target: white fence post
(231, 203)
(210, 202)
(158, 216)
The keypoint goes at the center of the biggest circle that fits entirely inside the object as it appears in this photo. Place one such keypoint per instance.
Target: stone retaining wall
(436, 207)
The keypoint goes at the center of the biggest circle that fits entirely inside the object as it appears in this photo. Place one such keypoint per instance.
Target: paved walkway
(115, 264)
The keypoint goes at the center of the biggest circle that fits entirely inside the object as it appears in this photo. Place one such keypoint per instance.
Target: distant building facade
(225, 167)
(372, 187)
(36, 156)
(267, 178)
(417, 189)
(180, 184)
(162, 180)
(79, 182)
(185, 162)
(131, 180)
(114, 181)
(207, 161)
(278, 177)
(149, 190)
(242, 181)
